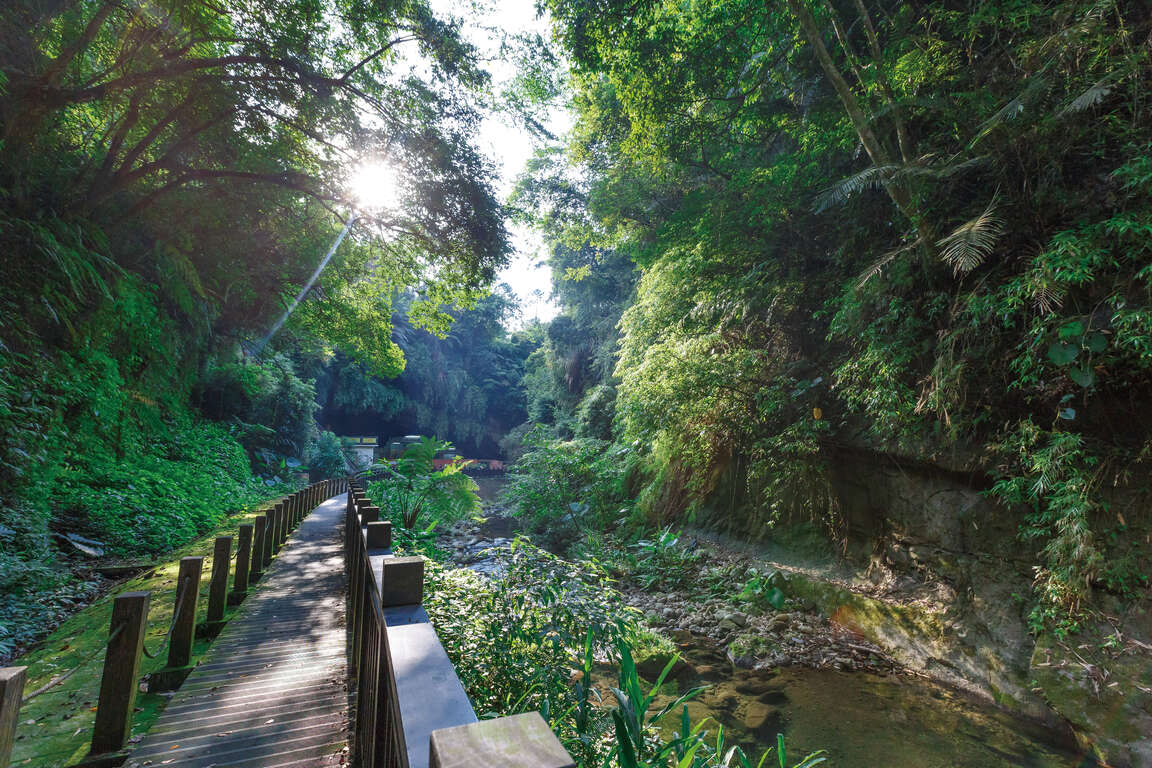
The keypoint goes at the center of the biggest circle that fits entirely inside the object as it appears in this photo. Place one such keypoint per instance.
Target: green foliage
(664, 561)
(517, 640)
(1055, 484)
(764, 590)
(175, 488)
(565, 487)
(326, 457)
(513, 638)
(463, 382)
(270, 404)
(856, 233)
(414, 486)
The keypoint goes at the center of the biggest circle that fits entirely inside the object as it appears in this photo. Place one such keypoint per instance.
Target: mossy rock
(1105, 695)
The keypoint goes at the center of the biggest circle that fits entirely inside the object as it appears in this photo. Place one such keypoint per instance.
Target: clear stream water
(862, 720)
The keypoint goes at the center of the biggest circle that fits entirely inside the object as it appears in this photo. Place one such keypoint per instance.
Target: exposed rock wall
(944, 587)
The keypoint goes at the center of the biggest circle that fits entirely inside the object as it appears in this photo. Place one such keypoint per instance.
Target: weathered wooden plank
(272, 690)
(11, 691)
(121, 668)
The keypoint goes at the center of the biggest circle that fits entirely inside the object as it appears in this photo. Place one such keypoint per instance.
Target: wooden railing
(258, 543)
(411, 710)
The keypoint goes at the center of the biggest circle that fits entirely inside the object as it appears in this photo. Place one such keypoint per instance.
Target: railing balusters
(378, 741)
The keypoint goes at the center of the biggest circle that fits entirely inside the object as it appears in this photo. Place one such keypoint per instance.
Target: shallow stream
(862, 720)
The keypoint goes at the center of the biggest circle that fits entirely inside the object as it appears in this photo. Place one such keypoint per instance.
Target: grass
(55, 728)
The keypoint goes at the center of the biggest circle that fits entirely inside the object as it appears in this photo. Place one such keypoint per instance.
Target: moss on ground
(55, 728)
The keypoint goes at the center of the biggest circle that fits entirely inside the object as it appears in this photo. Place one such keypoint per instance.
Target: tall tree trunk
(879, 155)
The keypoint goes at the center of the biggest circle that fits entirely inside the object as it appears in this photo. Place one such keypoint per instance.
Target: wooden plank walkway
(272, 691)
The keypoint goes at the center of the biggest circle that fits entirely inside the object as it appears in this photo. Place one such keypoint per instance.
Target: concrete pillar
(519, 741)
(369, 513)
(379, 535)
(402, 581)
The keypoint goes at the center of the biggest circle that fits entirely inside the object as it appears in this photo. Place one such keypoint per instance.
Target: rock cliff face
(942, 583)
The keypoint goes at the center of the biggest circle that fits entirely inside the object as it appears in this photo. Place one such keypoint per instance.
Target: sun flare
(374, 186)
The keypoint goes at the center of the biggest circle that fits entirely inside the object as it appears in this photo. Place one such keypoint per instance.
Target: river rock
(1105, 696)
(757, 715)
(650, 668)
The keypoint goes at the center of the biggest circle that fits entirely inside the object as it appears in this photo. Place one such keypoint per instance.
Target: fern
(971, 242)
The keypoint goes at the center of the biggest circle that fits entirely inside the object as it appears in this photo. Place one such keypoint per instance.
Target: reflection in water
(863, 720)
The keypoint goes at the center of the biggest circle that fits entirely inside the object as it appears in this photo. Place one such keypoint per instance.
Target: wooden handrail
(411, 709)
(125, 645)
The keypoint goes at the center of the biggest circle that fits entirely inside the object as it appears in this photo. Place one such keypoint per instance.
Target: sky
(508, 144)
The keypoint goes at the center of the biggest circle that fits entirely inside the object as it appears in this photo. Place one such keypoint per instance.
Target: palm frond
(1095, 94)
(844, 189)
(971, 242)
(942, 171)
(1047, 295)
(1033, 92)
(877, 266)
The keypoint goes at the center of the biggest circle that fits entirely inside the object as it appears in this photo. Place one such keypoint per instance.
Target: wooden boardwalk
(273, 689)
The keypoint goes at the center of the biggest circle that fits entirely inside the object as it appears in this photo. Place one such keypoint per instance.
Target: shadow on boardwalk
(273, 689)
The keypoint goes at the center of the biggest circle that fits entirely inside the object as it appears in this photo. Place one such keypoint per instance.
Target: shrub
(326, 457)
(564, 487)
(416, 487)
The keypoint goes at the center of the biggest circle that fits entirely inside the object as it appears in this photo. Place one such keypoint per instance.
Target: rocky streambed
(799, 672)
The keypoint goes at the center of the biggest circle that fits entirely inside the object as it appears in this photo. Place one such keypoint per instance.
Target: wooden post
(258, 536)
(118, 683)
(379, 535)
(11, 692)
(518, 741)
(243, 556)
(277, 526)
(218, 587)
(184, 628)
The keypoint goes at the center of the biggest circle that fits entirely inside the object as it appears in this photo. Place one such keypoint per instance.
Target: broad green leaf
(1062, 354)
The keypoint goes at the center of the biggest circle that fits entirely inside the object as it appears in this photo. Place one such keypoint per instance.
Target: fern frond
(844, 189)
(971, 242)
